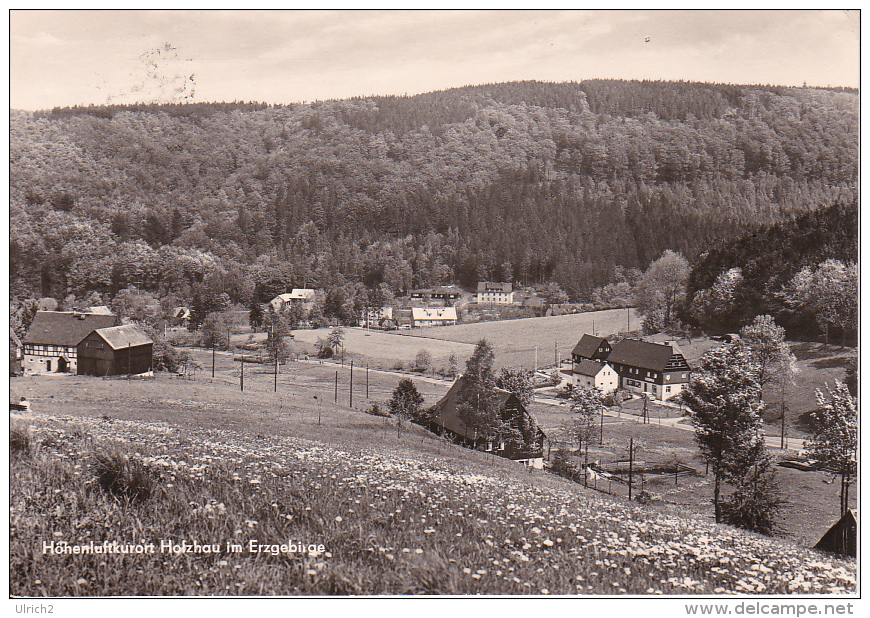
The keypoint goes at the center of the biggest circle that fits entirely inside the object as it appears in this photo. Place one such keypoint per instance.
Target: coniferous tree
(724, 399)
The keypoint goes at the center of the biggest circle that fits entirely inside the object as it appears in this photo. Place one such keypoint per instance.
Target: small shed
(842, 537)
(117, 350)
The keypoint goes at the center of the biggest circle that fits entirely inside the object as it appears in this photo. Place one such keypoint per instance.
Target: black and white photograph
(398, 304)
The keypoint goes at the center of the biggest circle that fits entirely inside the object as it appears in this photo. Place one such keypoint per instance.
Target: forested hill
(523, 181)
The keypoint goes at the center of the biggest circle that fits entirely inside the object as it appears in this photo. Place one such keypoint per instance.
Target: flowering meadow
(227, 513)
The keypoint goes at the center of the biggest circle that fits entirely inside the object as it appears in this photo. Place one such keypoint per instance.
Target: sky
(60, 58)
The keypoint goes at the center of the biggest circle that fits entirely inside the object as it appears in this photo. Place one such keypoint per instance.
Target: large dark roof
(495, 286)
(641, 354)
(587, 346)
(66, 329)
(446, 409)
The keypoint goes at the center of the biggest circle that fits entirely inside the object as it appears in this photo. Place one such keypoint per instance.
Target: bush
(423, 361)
(19, 440)
(126, 479)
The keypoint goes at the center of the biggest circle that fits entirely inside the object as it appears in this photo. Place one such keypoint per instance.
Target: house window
(667, 389)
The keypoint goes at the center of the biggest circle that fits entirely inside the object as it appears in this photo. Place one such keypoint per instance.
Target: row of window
(49, 350)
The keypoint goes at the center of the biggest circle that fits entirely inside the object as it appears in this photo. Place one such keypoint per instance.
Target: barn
(118, 350)
(842, 538)
(445, 421)
(50, 345)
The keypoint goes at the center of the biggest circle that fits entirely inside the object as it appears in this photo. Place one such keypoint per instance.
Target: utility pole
(336, 387)
(601, 432)
(128, 361)
(536, 359)
(556, 352)
(630, 465)
(213, 345)
(242, 381)
(276, 370)
(367, 381)
(350, 390)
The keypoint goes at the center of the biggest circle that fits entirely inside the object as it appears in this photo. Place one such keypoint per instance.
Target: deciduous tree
(835, 436)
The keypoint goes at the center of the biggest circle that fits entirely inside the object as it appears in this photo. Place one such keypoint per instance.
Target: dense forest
(803, 272)
(531, 182)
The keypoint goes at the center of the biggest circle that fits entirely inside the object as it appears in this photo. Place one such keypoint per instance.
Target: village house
(117, 350)
(422, 317)
(447, 293)
(445, 421)
(655, 369)
(50, 345)
(302, 296)
(490, 293)
(375, 317)
(590, 374)
(180, 317)
(591, 348)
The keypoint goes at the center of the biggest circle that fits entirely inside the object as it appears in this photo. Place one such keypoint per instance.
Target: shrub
(423, 361)
(19, 439)
(126, 479)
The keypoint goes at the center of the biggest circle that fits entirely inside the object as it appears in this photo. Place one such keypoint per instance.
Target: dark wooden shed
(842, 538)
(118, 350)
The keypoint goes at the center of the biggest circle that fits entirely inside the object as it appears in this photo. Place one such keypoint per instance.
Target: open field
(386, 349)
(393, 517)
(514, 341)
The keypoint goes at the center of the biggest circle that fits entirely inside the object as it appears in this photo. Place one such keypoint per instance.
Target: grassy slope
(227, 438)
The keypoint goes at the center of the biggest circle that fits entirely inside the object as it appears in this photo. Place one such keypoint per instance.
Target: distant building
(100, 309)
(446, 421)
(50, 342)
(447, 293)
(589, 374)
(117, 350)
(303, 296)
(422, 317)
(181, 316)
(374, 317)
(490, 293)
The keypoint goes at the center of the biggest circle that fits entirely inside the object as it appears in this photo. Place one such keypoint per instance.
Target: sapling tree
(405, 404)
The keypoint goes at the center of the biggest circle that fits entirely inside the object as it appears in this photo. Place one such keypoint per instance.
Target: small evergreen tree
(255, 315)
(724, 399)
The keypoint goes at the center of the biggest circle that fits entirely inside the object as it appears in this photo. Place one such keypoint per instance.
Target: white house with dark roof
(590, 374)
(656, 369)
(659, 370)
(493, 293)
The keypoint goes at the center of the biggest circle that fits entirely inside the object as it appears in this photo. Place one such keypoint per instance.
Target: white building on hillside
(432, 316)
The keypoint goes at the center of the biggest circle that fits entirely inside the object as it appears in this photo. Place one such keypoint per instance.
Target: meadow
(369, 520)
(231, 466)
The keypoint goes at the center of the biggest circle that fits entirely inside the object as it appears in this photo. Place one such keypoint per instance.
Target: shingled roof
(641, 354)
(587, 346)
(120, 337)
(588, 367)
(65, 328)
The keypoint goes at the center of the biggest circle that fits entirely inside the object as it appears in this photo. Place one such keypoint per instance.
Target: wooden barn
(119, 350)
(842, 538)
(445, 421)
(51, 342)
